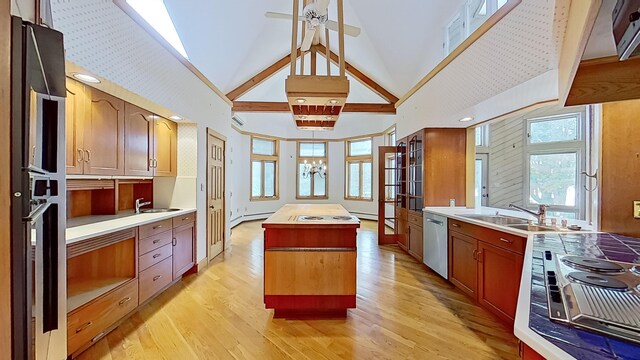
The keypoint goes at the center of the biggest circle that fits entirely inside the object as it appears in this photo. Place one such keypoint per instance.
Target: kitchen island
(310, 260)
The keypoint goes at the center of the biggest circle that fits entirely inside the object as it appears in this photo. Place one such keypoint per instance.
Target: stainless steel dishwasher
(436, 244)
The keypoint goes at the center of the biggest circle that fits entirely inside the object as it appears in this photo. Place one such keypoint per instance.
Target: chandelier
(309, 170)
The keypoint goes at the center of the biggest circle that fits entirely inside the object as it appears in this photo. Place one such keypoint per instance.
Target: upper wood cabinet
(75, 113)
(139, 126)
(104, 134)
(165, 148)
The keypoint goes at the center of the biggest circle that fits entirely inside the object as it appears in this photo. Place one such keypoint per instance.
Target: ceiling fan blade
(308, 39)
(275, 15)
(348, 29)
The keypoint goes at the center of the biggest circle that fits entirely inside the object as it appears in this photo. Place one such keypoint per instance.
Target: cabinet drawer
(154, 257)
(415, 218)
(155, 228)
(498, 238)
(184, 219)
(154, 242)
(401, 213)
(89, 322)
(155, 279)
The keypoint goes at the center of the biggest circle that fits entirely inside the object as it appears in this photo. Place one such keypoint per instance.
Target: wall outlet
(636, 209)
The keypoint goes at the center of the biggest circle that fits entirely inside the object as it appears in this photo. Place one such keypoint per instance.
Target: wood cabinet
(183, 249)
(486, 265)
(430, 170)
(103, 134)
(165, 148)
(107, 136)
(139, 128)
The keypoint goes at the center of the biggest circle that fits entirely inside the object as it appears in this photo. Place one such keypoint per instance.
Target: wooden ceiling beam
(261, 77)
(359, 75)
(283, 107)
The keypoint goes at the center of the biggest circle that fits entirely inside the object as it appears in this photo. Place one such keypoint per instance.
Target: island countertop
(287, 215)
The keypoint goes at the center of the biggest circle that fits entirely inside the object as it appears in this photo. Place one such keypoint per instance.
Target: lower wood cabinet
(155, 278)
(486, 265)
(183, 249)
(415, 242)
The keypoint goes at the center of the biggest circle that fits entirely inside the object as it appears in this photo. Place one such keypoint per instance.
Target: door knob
(212, 207)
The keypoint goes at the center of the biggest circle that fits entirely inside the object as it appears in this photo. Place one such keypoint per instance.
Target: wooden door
(499, 274)
(463, 267)
(183, 249)
(74, 117)
(387, 190)
(166, 148)
(104, 134)
(415, 241)
(139, 127)
(215, 194)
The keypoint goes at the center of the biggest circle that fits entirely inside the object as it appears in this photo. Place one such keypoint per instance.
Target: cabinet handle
(157, 277)
(506, 240)
(185, 219)
(125, 300)
(97, 337)
(157, 227)
(156, 255)
(156, 241)
(475, 254)
(80, 155)
(84, 327)
(88, 159)
(151, 163)
(174, 241)
(480, 255)
(155, 163)
(455, 225)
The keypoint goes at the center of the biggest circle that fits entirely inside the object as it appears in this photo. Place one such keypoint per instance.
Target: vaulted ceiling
(231, 41)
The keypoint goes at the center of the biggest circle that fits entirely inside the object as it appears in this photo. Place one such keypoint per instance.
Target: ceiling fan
(315, 14)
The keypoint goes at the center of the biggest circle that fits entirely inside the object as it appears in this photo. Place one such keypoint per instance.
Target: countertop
(286, 215)
(91, 226)
(532, 325)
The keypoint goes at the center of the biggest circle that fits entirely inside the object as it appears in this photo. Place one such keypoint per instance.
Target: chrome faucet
(541, 215)
(140, 204)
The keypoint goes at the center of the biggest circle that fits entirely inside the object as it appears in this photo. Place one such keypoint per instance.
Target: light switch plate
(636, 209)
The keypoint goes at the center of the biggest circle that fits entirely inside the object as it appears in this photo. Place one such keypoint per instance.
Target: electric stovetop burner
(594, 265)
(603, 281)
(311, 218)
(342, 217)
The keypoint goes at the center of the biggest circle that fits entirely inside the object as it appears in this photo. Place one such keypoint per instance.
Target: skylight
(156, 14)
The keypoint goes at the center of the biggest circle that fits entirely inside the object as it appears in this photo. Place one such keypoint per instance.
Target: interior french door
(215, 194)
(387, 193)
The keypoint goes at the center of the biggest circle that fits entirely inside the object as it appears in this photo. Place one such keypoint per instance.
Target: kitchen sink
(535, 228)
(497, 219)
(153, 211)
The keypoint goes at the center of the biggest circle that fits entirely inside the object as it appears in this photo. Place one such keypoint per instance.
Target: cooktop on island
(325, 218)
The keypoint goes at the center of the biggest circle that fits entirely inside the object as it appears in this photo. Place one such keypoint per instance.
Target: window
(264, 169)
(155, 13)
(470, 17)
(555, 154)
(482, 136)
(390, 171)
(391, 138)
(313, 186)
(359, 169)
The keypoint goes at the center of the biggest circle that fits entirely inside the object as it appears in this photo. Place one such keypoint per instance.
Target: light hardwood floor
(404, 311)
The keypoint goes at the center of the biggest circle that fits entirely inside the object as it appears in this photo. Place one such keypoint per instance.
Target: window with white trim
(555, 155)
(467, 20)
(359, 169)
(390, 164)
(313, 186)
(264, 169)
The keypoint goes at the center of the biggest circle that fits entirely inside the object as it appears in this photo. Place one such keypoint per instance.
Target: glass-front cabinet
(414, 184)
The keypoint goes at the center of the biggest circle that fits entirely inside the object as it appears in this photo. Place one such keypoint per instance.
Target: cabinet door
(415, 241)
(499, 274)
(74, 115)
(402, 229)
(166, 148)
(104, 134)
(463, 268)
(183, 246)
(139, 126)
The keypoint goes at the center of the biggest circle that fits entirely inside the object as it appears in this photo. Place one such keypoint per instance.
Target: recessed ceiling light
(333, 101)
(465, 119)
(175, 117)
(302, 117)
(327, 117)
(301, 101)
(86, 78)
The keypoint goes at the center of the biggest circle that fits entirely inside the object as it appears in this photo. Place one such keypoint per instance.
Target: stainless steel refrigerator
(38, 208)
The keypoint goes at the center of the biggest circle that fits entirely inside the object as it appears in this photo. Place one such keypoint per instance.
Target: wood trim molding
(475, 36)
(5, 186)
(283, 107)
(360, 76)
(122, 4)
(605, 80)
(261, 77)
